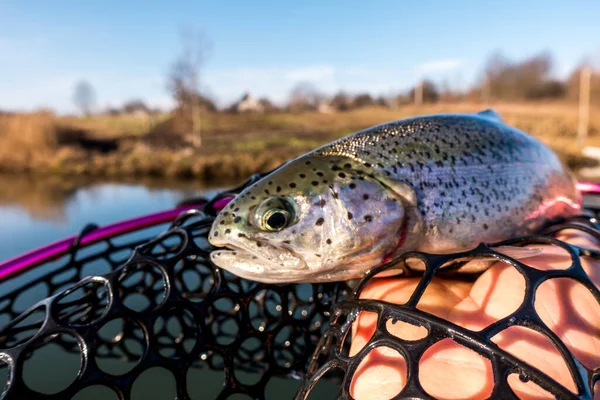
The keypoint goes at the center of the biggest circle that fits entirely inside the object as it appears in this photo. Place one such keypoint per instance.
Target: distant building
(324, 107)
(248, 104)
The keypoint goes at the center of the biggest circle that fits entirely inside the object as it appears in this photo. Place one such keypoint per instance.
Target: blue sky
(125, 48)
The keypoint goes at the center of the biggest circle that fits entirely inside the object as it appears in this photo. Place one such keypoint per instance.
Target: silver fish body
(439, 183)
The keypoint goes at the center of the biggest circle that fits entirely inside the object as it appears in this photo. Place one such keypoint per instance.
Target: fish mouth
(271, 265)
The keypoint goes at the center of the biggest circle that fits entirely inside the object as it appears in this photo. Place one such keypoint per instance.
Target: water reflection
(37, 211)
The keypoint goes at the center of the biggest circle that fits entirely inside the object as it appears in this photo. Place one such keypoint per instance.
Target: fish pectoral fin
(518, 253)
(468, 265)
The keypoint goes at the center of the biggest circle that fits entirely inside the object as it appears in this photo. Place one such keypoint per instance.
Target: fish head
(315, 219)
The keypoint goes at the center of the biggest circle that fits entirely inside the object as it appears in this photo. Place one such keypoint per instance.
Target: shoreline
(236, 146)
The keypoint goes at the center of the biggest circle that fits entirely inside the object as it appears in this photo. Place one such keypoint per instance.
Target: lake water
(35, 212)
(42, 213)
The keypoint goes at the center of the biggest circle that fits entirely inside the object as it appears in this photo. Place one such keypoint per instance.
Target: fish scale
(438, 183)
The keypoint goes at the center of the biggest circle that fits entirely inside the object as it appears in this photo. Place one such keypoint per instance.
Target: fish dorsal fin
(490, 114)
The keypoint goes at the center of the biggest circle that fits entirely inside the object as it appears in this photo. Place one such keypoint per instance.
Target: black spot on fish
(485, 226)
(225, 213)
(328, 241)
(318, 255)
(368, 165)
(292, 185)
(325, 181)
(321, 203)
(216, 234)
(266, 191)
(278, 189)
(319, 173)
(270, 182)
(236, 209)
(286, 242)
(302, 176)
(365, 196)
(347, 166)
(320, 221)
(258, 244)
(227, 231)
(368, 218)
(335, 168)
(234, 253)
(237, 219)
(350, 216)
(307, 163)
(314, 183)
(222, 222)
(241, 235)
(352, 185)
(253, 198)
(342, 175)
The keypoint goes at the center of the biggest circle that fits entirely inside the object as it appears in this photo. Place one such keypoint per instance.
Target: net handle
(589, 187)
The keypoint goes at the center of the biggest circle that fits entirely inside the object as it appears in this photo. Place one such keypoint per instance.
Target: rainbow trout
(439, 184)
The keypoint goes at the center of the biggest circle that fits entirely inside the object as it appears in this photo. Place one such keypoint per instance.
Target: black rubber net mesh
(149, 316)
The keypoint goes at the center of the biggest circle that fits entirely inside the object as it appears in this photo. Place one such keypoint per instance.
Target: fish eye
(275, 214)
(276, 219)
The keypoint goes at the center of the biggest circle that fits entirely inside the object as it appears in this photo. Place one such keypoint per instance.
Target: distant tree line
(130, 107)
(501, 79)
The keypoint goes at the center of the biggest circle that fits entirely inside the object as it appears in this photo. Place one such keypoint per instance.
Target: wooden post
(195, 109)
(584, 105)
(486, 92)
(419, 93)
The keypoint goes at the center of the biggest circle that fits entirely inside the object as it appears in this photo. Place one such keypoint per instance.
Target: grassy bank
(233, 145)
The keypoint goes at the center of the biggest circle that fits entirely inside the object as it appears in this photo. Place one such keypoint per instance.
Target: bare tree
(530, 78)
(305, 97)
(84, 97)
(341, 101)
(184, 79)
